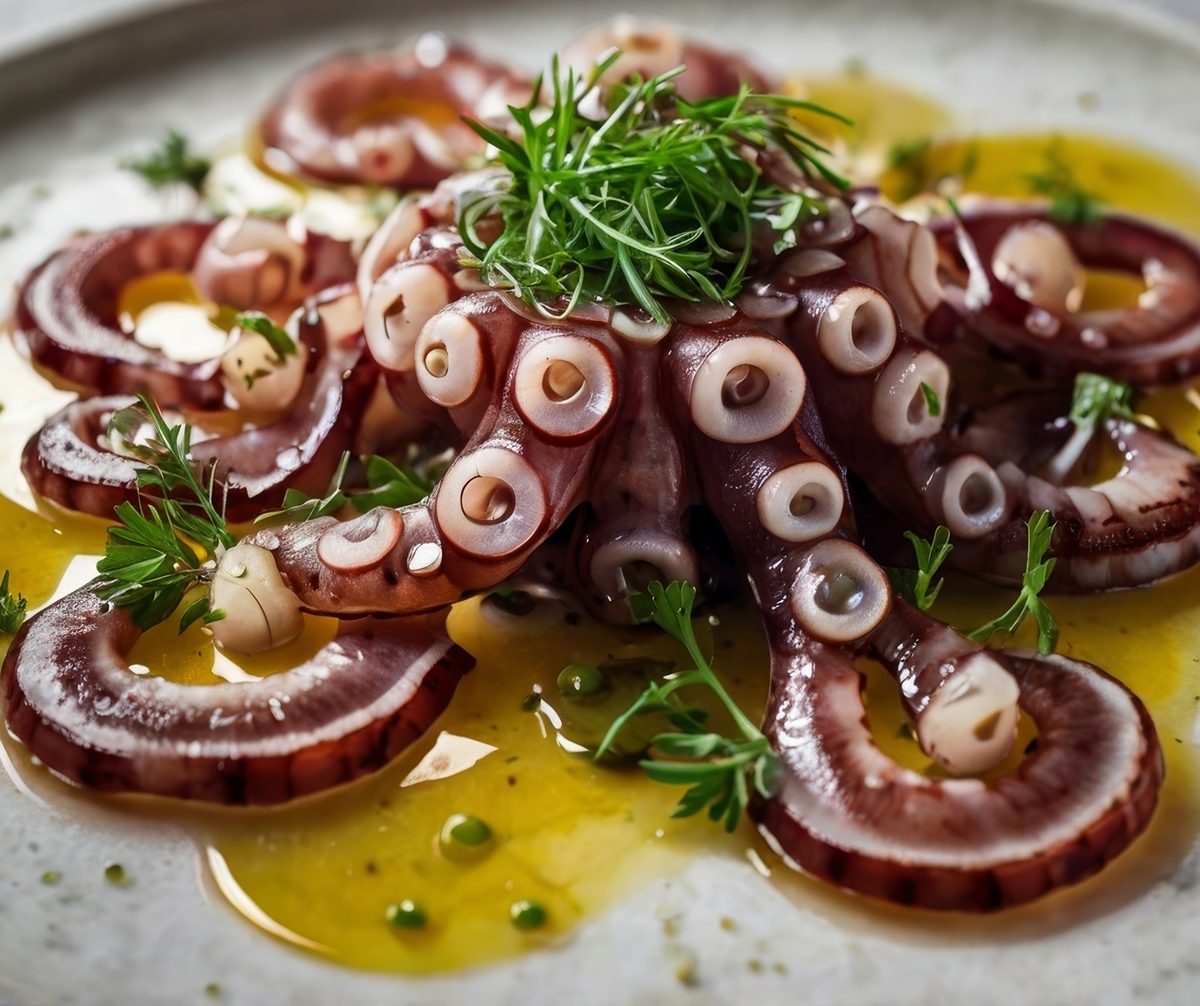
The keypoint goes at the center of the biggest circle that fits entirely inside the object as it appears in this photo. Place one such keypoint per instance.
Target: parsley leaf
(1037, 572)
(12, 608)
(917, 584)
(720, 772)
(171, 164)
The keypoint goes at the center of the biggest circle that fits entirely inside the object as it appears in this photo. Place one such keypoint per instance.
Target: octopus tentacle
(67, 309)
(1035, 317)
(391, 117)
(70, 462)
(72, 699)
(515, 482)
(932, 467)
(849, 814)
(639, 497)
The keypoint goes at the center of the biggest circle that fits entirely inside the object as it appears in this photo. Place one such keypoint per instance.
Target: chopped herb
(151, 558)
(12, 608)
(406, 914)
(656, 200)
(917, 165)
(212, 990)
(1070, 202)
(527, 914)
(718, 771)
(1096, 400)
(51, 878)
(918, 585)
(299, 506)
(281, 343)
(1037, 571)
(933, 404)
(171, 164)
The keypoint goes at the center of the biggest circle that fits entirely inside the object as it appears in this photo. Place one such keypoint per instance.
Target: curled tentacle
(68, 311)
(390, 117)
(516, 480)
(889, 410)
(71, 462)
(960, 697)
(1030, 268)
(849, 814)
(650, 48)
(72, 699)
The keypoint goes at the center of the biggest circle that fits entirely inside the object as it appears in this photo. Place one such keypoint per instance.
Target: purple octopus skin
(72, 699)
(66, 314)
(69, 462)
(1153, 343)
(1134, 528)
(744, 414)
(391, 117)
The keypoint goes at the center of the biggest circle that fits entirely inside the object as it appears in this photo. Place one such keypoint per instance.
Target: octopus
(772, 445)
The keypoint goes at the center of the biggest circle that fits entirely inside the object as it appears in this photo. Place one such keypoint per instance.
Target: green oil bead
(464, 837)
(578, 681)
(527, 914)
(406, 914)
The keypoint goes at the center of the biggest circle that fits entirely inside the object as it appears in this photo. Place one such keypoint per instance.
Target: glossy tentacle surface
(390, 117)
(72, 699)
(67, 312)
(70, 461)
(851, 815)
(877, 388)
(1156, 341)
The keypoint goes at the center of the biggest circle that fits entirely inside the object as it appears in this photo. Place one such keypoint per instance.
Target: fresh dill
(1070, 202)
(172, 163)
(918, 585)
(12, 607)
(167, 544)
(720, 772)
(657, 198)
(1038, 568)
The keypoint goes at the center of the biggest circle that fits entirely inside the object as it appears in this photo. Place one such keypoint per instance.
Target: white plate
(70, 110)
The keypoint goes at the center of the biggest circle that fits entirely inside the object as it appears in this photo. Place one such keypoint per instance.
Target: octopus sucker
(623, 394)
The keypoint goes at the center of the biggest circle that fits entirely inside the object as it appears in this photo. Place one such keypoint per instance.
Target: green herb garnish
(933, 404)
(282, 344)
(718, 771)
(1037, 572)
(300, 506)
(406, 914)
(918, 585)
(1070, 202)
(657, 199)
(171, 164)
(12, 608)
(1097, 398)
(165, 546)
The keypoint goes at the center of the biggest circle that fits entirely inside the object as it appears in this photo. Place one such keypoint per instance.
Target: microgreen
(1037, 572)
(1070, 202)
(918, 585)
(719, 772)
(656, 198)
(12, 607)
(163, 546)
(171, 164)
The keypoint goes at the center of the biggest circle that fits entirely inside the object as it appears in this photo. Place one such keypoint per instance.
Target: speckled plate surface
(69, 112)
